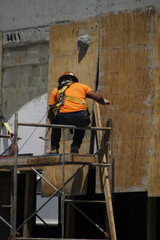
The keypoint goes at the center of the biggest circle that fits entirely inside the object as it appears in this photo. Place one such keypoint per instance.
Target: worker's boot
(74, 149)
(53, 151)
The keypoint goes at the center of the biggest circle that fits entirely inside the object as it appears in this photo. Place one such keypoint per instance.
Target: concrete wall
(18, 14)
(24, 82)
(33, 111)
(25, 75)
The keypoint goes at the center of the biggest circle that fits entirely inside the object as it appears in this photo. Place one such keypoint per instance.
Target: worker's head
(68, 76)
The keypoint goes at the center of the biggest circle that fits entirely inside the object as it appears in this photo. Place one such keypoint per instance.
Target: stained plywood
(154, 164)
(64, 55)
(129, 76)
(64, 52)
(124, 79)
(76, 186)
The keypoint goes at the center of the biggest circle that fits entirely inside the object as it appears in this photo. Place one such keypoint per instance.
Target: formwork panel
(154, 164)
(125, 81)
(125, 29)
(66, 55)
(77, 185)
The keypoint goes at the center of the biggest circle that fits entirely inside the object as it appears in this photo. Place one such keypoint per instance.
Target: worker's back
(75, 98)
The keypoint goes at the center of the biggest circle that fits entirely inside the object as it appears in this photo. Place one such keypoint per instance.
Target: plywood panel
(125, 29)
(154, 164)
(77, 185)
(124, 79)
(64, 55)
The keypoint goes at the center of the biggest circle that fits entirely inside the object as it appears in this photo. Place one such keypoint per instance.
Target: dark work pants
(79, 119)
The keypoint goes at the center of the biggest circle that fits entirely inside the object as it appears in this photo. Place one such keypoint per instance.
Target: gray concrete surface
(25, 75)
(20, 14)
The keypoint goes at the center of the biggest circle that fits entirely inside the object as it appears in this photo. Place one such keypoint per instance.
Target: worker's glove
(51, 115)
(106, 102)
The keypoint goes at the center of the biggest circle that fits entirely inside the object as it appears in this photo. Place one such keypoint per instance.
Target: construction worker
(68, 107)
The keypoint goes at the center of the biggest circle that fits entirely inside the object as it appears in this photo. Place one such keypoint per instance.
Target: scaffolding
(32, 161)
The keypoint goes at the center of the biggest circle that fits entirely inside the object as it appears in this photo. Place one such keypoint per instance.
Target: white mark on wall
(32, 112)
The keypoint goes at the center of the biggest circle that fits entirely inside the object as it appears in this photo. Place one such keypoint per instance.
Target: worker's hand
(107, 102)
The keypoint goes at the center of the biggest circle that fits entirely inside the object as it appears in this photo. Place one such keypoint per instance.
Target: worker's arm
(97, 97)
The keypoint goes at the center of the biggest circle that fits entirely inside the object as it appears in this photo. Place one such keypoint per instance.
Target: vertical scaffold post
(63, 177)
(105, 179)
(14, 210)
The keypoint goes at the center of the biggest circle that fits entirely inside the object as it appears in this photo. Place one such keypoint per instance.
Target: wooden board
(45, 160)
(77, 185)
(104, 173)
(32, 161)
(154, 163)
(64, 55)
(124, 79)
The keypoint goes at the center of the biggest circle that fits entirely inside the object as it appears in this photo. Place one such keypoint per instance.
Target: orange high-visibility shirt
(75, 90)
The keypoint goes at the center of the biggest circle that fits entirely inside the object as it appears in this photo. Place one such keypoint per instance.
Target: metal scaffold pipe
(62, 189)
(14, 210)
(63, 177)
(63, 126)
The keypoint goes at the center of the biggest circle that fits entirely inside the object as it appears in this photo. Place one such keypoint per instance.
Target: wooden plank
(99, 184)
(45, 160)
(31, 161)
(87, 158)
(105, 179)
(124, 79)
(154, 163)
